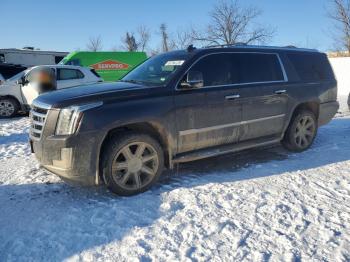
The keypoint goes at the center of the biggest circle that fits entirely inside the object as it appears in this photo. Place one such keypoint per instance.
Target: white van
(17, 94)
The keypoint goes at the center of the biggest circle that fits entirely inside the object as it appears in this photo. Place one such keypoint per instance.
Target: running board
(217, 151)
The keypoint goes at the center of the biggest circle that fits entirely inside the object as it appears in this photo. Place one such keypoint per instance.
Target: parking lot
(254, 205)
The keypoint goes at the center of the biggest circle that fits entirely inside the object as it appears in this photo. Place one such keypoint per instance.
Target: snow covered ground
(259, 205)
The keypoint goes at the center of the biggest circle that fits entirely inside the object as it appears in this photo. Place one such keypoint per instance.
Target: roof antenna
(191, 48)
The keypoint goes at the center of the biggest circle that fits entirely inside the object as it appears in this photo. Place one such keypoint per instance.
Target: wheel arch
(12, 97)
(19, 104)
(153, 129)
(313, 106)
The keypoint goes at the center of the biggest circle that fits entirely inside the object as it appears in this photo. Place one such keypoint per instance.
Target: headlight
(69, 118)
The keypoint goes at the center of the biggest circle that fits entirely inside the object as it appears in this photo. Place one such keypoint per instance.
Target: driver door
(210, 115)
(30, 88)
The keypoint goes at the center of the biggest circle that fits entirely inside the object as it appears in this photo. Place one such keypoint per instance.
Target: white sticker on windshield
(175, 63)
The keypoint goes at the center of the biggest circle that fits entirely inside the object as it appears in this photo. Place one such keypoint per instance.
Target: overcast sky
(66, 25)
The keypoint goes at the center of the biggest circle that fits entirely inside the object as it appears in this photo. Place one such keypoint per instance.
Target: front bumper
(73, 158)
(327, 112)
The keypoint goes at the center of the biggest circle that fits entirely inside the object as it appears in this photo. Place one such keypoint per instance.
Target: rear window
(311, 67)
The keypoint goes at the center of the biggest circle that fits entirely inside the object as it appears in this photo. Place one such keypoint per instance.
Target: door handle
(280, 92)
(232, 97)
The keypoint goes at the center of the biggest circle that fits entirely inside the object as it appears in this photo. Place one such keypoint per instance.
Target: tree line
(229, 23)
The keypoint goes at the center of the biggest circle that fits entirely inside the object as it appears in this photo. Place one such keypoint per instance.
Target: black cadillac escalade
(181, 106)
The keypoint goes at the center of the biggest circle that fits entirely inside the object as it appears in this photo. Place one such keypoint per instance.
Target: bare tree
(136, 43)
(165, 37)
(341, 15)
(183, 38)
(129, 42)
(94, 44)
(231, 23)
(144, 36)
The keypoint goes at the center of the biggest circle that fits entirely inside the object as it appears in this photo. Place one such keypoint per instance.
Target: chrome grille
(38, 116)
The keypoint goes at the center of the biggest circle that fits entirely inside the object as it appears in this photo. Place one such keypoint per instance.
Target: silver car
(17, 93)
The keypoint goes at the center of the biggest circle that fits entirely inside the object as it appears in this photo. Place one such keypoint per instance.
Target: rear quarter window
(311, 67)
(69, 74)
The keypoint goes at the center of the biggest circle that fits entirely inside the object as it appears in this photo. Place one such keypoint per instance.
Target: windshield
(17, 76)
(158, 69)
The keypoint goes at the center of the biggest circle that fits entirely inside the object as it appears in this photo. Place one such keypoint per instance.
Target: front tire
(132, 163)
(301, 132)
(9, 107)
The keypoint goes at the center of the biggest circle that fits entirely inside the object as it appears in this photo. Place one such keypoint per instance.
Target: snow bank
(341, 67)
(265, 205)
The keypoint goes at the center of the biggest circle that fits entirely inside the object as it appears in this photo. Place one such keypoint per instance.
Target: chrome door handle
(279, 92)
(232, 97)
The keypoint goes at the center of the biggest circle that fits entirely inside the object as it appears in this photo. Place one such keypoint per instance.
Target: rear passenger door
(264, 96)
(67, 77)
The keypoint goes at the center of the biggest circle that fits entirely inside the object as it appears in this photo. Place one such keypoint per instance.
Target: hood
(86, 93)
(9, 85)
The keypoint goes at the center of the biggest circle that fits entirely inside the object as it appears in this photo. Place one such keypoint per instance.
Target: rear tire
(301, 132)
(9, 107)
(132, 163)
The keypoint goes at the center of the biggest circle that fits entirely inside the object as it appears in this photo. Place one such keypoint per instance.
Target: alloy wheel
(135, 165)
(7, 108)
(305, 131)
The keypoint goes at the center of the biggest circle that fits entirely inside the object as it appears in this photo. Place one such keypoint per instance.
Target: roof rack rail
(226, 45)
(244, 45)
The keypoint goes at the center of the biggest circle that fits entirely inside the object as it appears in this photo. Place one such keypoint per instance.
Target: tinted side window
(68, 74)
(311, 67)
(239, 68)
(80, 74)
(216, 69)
(255, 68)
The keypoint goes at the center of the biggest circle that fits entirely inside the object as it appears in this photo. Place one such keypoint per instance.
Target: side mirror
(194, 79)
(20, 81)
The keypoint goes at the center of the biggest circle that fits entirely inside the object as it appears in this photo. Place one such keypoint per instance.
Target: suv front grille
(38, 116)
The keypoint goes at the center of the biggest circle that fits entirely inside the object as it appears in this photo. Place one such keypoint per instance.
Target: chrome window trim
(212, 128)
(240, 84)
